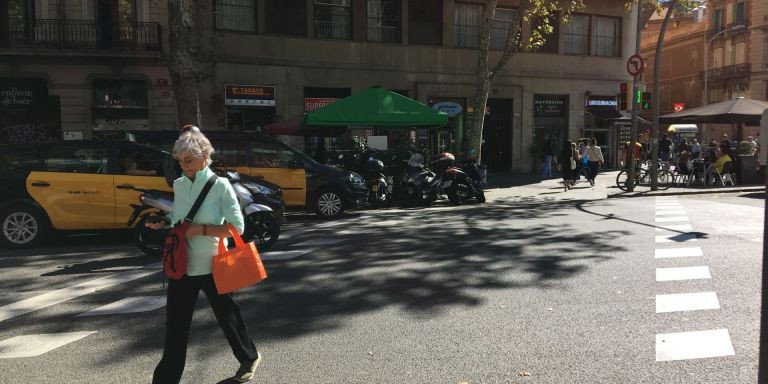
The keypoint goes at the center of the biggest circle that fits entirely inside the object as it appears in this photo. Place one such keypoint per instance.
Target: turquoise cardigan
(219, 206)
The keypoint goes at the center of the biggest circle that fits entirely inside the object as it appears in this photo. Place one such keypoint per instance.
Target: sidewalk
(605, 187)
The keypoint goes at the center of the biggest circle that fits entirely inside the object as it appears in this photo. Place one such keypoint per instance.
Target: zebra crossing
(673, 228)
(297, 242)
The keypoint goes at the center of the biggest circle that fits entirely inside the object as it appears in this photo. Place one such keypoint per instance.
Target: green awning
(376, 107)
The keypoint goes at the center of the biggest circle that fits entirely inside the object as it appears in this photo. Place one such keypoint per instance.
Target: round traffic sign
(635, 65)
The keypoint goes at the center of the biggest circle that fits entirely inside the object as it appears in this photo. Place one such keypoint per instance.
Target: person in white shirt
(595, 160)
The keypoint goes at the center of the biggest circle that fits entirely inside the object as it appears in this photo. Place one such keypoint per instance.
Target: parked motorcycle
(260, 201)
(422, 186)
(465, 183)
(380, 192)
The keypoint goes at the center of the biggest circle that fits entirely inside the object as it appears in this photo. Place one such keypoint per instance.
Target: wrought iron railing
(83, 34)
(331, 30)
(383, 34)
(730, 71)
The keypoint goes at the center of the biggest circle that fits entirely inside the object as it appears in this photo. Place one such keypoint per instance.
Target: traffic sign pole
(634, 67)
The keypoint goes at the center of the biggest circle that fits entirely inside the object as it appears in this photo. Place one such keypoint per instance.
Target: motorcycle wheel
(459, 192)
(481, 197)
(262, 228)
(149, 241)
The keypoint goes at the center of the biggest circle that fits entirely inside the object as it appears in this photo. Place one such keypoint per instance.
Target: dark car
(327, 190)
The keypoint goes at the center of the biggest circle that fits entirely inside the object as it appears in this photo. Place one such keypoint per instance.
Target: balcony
(90, 35)
(730, 71)
(715, 30)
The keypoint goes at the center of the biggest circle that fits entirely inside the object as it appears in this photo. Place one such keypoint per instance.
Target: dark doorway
(497, 135)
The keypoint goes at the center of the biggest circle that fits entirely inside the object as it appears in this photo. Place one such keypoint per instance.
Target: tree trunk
(183, 66)
(483, 85)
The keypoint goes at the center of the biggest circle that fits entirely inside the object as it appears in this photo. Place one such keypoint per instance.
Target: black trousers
(182, 296)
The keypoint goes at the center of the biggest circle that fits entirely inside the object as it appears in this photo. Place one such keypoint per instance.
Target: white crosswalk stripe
(36, 345)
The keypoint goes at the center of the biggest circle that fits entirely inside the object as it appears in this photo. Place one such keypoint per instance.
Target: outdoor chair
(725, 177)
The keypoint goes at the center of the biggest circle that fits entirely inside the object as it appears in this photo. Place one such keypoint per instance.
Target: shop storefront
(249, 107)
(550, 120)
(120, 105)
(450, 137)
(600, 115)
(27, 112)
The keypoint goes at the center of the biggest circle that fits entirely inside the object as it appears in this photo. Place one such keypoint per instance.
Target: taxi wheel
(22, 226)
(329, 204)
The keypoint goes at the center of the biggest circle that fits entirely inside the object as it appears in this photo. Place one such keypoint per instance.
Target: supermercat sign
(602, 101)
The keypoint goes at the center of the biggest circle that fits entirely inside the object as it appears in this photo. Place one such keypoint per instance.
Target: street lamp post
(706, 58)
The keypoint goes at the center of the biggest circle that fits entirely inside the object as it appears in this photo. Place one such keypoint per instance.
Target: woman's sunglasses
(190, 127)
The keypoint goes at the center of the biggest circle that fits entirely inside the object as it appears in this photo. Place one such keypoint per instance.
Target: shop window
(576, 35)
(384, 21)
(466, 25)
(236, 15)
(286, 17)
(333, 19)
(607, 36)
(76, 159)
(500, 27)
(425, 22)
(120, 104)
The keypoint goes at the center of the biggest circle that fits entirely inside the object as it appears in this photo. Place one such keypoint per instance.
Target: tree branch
(513, 39)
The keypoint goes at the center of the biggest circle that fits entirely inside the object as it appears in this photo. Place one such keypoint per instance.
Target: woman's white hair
(194, 142)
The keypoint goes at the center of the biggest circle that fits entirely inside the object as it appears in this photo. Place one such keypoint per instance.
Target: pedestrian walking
(695, 149)
(596, 160)
(567, 161)
(548, 154)
(193, 152)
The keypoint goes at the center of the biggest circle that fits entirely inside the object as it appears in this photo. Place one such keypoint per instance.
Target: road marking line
(693, 345)
(672, 219)
(128, 305)
(679, 238)
(677, 212)
(284, 255)
(61, 295)
(678, 252)
(683, 273)
(675, 228)
(36, 345)
(686, 302)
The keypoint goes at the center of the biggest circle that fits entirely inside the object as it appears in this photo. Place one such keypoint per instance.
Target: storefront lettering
(15, 97)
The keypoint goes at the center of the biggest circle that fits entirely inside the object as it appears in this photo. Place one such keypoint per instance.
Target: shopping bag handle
(233, 233)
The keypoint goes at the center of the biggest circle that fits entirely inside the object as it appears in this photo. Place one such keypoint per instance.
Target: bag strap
(201, 197)
(234, 235)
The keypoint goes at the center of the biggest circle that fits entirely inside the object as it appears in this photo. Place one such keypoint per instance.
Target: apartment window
(576, 35)
(425, 22)
(740, 13)
(551, 40)
(333, 19)
(466, 25)
(717, 58)
(384, 21)
(286, 17)
(765, 89)
(236, 15)
(740, 53)
(607, 36)
(717, 21)
(20, 12)
(500, 27)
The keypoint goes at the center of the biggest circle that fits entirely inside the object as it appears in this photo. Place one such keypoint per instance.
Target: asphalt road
(530, 289)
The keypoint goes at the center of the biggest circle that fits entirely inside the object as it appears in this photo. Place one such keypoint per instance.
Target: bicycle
(643, 178)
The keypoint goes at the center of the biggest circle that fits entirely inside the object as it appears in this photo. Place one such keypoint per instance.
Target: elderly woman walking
(193, 151)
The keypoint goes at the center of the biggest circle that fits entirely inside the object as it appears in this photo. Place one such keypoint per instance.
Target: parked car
(327, 190)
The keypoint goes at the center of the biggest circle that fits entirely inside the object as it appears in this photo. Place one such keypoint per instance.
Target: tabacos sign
(249, 95)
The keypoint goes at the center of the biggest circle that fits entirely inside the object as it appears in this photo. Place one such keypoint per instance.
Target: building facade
(101, 65)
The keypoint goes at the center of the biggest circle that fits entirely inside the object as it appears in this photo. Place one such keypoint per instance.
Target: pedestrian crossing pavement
(672, 220)
(297, 241)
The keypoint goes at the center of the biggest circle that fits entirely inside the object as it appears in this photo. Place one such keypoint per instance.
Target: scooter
(380, 192)
(465, 183)
(261, 203)
(422, 186)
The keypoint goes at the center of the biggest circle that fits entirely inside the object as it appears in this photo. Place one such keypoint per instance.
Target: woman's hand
(155, 223)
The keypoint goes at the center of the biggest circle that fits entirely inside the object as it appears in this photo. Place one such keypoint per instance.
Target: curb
(694, 192)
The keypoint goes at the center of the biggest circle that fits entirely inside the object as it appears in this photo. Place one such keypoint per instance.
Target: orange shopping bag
(238, 267)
